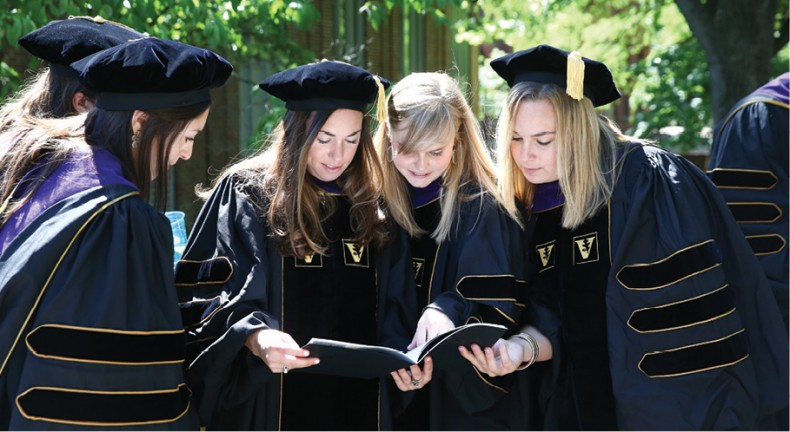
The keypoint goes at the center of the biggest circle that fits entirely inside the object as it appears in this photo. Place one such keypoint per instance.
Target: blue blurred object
(178, 225)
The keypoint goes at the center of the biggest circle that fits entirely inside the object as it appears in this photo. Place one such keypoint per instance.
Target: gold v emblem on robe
(418, 264)
(586, 248)
(312, 260)
(546, 254)
(354, 254)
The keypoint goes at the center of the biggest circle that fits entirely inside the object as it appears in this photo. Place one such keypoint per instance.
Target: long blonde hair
(26, 103)
(587, 145)
(432, 107)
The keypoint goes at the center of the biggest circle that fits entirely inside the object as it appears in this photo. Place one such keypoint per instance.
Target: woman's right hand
(413, 378)
(279, 351)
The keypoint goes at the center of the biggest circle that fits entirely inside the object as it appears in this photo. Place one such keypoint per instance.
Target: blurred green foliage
(656, 60)
(237, 29)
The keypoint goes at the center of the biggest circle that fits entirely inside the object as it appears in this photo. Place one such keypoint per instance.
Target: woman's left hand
(432, 323)
(501, 359)
(413, 378)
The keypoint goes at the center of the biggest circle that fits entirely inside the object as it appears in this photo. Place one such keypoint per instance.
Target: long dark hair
(58, 101)
(113, 130)
(295, 207)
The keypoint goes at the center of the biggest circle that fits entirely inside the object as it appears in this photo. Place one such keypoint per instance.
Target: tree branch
(705, 10)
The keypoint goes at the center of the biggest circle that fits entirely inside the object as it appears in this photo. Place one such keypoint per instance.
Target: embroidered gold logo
(586, 249)
(546, 255)
(311, 260)
(418, 264)
(354, 254)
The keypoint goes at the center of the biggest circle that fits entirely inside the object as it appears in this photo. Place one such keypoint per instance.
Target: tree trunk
(738, 39)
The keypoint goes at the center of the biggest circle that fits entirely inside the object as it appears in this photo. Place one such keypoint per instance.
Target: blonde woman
(658, 314)
(439, 186)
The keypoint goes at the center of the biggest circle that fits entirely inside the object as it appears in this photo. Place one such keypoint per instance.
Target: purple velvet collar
(547, 196)
(777, 89)
(330, 187)
(422, 196)
(79, 172)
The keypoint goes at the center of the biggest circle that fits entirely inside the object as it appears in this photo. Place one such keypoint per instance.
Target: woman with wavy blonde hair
(439, 185)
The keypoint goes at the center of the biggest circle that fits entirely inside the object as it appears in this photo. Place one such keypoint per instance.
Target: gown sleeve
(696, 340)
(480, 271)
(99, 343)
(226, 286)
(749, 165)
(484, 266)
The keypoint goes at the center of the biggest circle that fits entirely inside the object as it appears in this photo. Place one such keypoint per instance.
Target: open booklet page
(370, 361)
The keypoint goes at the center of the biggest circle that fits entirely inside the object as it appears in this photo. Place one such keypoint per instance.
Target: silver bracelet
(535, 349)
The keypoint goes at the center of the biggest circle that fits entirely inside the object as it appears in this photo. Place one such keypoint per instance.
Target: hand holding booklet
(369, 361)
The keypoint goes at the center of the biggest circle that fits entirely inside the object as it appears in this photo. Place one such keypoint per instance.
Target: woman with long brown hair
(292, 244)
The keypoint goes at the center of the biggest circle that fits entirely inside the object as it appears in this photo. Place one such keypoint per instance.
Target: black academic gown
(749, 164)
(90, 330)
(475, 276)
(660, 297)
(233, 281)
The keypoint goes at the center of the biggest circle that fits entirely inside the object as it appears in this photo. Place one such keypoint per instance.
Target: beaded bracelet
(535, 349)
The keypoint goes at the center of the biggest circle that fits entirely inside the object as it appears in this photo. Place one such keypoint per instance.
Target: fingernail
(317, 361)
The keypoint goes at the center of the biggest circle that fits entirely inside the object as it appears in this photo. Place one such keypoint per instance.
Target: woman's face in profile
(183, 143)
(335, 145)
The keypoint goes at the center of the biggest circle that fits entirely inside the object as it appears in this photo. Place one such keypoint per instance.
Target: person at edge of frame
(748, 163)
(90, 329)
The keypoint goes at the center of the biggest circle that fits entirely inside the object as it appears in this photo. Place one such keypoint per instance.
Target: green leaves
(14, 25)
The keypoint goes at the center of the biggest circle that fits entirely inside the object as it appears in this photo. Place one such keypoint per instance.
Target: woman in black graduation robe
(658, 315)
(90, 328)
(249, 270)
(465, 249)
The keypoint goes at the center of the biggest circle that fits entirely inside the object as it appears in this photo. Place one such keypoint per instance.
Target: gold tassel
(575, 85)
(381, 102)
